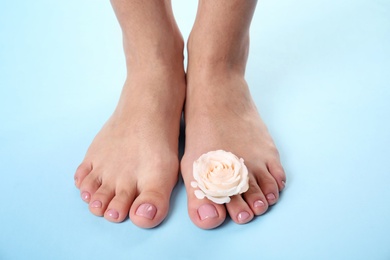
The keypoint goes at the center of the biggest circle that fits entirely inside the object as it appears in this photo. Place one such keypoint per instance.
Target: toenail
(112, 213)
(85, 196)
(96, 204)
(207, 211)
(146, 210)
(258, 204)
(271, 196)
(243, 216)
(75, 181)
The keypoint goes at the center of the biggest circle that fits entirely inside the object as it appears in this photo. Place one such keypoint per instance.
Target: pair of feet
(132, 165)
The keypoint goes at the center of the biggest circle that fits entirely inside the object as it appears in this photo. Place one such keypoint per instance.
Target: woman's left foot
(220, 114)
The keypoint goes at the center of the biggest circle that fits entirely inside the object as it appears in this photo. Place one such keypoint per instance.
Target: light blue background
(319, 73)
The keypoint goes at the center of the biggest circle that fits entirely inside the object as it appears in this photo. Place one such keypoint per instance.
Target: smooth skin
(132, 165)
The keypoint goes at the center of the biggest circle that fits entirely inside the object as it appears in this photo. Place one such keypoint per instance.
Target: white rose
(219, 175)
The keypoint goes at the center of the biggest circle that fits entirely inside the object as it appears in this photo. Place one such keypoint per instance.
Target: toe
(268, 185)
(239, 210)
(100, 200)
(89, 186)
(118, 208)
(203, 213)
(82, 171)
(150, 208)
(277, 171)
(206, 214)
(255, 197)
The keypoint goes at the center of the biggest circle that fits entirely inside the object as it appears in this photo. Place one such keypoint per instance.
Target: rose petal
(219, 200)
(199, 194)
(219, 175)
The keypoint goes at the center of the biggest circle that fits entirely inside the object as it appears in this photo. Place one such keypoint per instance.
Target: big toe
(203, 213)
(150, 208)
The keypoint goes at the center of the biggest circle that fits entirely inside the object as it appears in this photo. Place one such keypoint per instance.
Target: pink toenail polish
(271, 196)
(207, 211)
(96, 204)
(258, 204)
(112, 213)
(243, 216)
(146, 210)
(85, 196)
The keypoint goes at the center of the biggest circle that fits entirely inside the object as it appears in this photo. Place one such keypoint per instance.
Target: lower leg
(220, 36)
(131, 166)
(220, 113)
(149, 31)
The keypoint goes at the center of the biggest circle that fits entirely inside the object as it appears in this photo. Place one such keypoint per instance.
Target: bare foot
(132, 165)
(220, 114)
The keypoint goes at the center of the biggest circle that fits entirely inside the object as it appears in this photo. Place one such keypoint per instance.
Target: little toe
(89, 186)
(239, 210)
(82, 171)
(277, 171)
(149, 209)
(255, 198)
(118, 208)
(100, 200)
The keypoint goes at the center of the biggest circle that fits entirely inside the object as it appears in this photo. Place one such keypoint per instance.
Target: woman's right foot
(132, 164)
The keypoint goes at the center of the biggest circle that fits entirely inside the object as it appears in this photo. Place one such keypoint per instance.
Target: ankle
(157, 52)
(217, 57)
